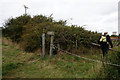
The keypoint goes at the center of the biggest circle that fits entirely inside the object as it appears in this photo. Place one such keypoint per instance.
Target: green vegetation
(28, 30)
(22, 50)
(19, 64)
(109, 71)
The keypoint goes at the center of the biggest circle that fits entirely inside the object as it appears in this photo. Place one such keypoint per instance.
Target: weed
(76, 58)
(8, 67)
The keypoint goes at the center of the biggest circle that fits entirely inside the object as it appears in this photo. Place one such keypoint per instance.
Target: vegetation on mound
(28, 30)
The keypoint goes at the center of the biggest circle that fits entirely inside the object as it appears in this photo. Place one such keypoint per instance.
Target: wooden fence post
(51, 33)
(76, 44)
(51, 45)
(43, 44)
(58, 45)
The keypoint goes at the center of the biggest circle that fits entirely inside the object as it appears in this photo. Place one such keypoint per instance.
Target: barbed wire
(87, 58)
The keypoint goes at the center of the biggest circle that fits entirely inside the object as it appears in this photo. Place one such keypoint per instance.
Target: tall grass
(109, 71)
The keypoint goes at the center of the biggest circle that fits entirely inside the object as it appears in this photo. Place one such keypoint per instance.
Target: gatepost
(51, 33)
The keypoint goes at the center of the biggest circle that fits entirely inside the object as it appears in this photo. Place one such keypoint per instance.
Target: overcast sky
(98, 15)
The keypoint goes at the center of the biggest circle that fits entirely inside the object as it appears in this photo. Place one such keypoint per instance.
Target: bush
(28, 32)
(13, 27)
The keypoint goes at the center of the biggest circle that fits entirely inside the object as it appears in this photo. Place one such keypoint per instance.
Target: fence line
(116, 42)
(87, 58)
(109, 48)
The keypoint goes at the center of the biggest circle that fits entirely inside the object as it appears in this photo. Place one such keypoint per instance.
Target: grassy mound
(20, 64)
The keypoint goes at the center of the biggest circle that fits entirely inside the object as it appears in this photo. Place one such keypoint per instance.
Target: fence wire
(87, 58)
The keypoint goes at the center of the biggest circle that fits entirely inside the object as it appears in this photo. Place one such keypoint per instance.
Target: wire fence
(87, 58)
(109, 48)
(116, 42)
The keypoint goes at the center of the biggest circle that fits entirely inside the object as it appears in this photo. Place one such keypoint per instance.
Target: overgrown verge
(111, 71)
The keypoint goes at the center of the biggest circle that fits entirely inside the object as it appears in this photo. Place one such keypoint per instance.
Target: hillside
(22, 57)
(20, 64)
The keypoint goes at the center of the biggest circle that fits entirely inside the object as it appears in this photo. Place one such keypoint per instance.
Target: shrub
(28, 31)
(13, 27)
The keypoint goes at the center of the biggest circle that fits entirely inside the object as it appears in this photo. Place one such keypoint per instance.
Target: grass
(20, 64)
(109, 71)
(53, 68)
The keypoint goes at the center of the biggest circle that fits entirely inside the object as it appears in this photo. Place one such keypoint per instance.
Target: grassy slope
(17, 63)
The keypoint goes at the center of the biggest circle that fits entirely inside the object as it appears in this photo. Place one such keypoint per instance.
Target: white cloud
(97, 14)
